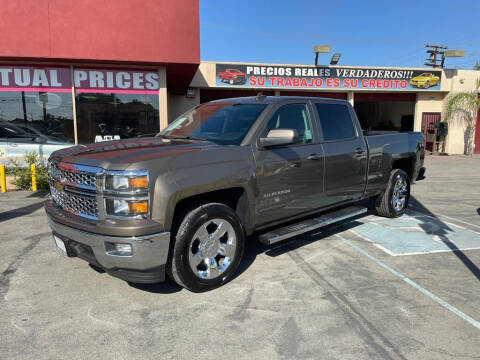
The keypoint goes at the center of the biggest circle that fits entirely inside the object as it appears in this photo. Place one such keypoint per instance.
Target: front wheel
(393, 201)
(208, 248)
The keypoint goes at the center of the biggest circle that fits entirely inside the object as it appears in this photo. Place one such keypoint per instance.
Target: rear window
(335, 121)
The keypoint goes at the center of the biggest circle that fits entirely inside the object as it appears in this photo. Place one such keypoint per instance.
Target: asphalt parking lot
(373, 288)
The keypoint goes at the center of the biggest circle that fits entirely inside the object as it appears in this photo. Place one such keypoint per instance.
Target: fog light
(116, 249)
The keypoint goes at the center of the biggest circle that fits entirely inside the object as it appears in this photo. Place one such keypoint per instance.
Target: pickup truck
(233, 76)
(184, 202)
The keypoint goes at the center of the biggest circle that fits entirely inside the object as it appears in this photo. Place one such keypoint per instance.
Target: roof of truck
(265, 99)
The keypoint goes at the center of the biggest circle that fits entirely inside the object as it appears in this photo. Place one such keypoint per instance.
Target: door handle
(314, 157)
(359, 151)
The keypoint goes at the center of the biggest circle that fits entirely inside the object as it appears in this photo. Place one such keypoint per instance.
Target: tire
(202, 258)
(393, 201)
(427, 84)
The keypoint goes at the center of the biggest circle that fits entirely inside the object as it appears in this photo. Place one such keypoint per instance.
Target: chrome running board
(310, 224)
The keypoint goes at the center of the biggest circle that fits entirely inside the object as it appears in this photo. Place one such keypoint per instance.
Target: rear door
(345, 152)
(289, 178)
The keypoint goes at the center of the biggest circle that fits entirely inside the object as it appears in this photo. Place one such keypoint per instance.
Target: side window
(295, 117)
(336, 121)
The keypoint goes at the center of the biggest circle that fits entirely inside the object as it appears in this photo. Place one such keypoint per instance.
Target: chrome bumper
(148, 251)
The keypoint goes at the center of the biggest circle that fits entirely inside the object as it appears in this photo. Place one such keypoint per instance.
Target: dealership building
(89, 71)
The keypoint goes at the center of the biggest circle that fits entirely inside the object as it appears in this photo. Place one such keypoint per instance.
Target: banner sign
(51, 79)
(29, 78)
(312, 77)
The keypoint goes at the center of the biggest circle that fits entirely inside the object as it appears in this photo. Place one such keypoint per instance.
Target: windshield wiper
(187, 137)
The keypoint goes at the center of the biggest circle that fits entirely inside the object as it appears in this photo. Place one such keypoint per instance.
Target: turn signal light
(138, 182)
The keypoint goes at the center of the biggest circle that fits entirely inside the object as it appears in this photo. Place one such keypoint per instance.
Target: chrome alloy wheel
(400, 193)
(212, 248)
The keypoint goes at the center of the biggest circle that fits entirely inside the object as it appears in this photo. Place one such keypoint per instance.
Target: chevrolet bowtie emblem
(58, 186)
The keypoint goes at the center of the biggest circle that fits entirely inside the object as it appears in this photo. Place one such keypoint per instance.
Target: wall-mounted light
(335, 59)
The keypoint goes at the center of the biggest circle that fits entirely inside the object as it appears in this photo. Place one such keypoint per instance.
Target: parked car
(233, 76)
(184, 202)
(424, 80)
(16, 141)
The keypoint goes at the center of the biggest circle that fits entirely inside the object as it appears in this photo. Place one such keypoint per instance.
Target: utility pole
(436, 56)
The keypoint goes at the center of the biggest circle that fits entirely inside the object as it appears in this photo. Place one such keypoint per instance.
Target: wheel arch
(406, 164)
(235, 197)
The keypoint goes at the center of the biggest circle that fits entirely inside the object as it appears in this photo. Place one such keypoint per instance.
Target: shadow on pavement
(167, 287)
(442, 233)
(39, 194)
(25, 210)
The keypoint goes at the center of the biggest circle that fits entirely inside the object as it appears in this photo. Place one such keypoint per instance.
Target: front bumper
(145, 265)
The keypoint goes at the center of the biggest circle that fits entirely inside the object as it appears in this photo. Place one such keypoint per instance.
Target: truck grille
(74, 190)
(75, 178)
(85, 206)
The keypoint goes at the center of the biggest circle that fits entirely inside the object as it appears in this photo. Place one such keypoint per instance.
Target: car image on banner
(425, 80)
(325, 77)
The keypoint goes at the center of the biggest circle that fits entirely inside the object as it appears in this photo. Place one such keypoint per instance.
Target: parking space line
(445, 216)
(443, 303)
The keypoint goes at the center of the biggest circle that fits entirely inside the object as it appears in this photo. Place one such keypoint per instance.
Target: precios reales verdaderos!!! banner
(311, 77)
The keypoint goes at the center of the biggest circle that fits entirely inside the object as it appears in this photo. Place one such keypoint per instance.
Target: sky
(365, 32)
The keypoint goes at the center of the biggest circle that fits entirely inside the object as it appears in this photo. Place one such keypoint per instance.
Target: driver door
(289, 177)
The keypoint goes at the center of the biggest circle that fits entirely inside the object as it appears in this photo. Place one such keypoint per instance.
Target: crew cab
(233, 76)
(184, 202)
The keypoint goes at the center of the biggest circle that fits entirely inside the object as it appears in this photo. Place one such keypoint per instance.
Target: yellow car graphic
(424, 80)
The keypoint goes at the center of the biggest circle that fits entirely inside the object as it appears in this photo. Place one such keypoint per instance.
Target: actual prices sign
(311, 77)
(58, 78)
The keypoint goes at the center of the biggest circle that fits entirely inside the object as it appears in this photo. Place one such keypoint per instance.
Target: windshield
(222, 123)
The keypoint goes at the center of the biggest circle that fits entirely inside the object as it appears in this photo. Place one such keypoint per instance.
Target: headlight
(126, 193)
(126, 181)
(127, 208)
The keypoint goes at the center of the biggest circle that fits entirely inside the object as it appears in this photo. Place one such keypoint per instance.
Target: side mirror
(276, 137)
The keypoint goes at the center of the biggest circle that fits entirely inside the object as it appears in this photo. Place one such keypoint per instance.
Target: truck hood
(121, 154)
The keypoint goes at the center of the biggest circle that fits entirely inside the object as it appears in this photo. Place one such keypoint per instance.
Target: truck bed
(386, 148)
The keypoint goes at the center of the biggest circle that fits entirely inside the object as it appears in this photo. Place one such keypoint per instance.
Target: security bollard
(33, 170)
(3, 180)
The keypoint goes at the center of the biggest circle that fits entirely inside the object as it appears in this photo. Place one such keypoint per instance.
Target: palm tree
(476, 66)
(462, 108)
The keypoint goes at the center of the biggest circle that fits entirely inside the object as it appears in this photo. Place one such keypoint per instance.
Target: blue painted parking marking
(416, 233)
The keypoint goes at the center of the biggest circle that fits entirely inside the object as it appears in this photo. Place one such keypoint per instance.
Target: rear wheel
(208, 248)
(393, 201)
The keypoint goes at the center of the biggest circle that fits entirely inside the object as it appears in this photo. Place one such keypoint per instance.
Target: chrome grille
(85, 206)
(78, 178)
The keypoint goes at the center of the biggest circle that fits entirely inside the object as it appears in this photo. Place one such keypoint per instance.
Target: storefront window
(110, 116)
(35, 121)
